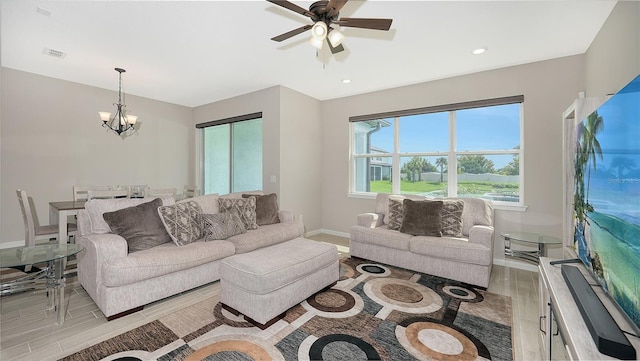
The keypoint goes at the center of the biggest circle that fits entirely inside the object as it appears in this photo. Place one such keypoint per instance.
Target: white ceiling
(196, 52)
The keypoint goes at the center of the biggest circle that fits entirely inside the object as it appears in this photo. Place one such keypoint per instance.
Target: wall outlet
(272, 179)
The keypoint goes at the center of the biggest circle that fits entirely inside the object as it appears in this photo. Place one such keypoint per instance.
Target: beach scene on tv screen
(606, 204)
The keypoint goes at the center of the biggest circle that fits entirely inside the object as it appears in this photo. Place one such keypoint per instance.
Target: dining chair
(80, 192)
(108, 194)
(155, 192)
(33, 231)
(189, 191)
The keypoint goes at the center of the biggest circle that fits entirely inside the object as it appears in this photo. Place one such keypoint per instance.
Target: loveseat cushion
(266, 208)
(381, 236)
(476, 212)
(266, 236)
(421, 218)
(455, 249)
(161, 260)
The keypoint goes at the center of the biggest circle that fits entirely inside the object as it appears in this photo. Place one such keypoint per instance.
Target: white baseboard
(11, 244)
(327, 231)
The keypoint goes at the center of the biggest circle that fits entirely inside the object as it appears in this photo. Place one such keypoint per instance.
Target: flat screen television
(606, 197)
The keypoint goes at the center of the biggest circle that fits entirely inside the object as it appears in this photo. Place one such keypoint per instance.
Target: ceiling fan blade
(293, 7)
(291, 33)
(335, 50)
(334, 7)
(365, 23)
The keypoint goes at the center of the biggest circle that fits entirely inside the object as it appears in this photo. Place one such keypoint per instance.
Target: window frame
(451, 154)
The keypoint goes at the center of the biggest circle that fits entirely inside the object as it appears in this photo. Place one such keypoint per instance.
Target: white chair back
(80, 192)
(108, 194)
(155, 192)
(28, 219)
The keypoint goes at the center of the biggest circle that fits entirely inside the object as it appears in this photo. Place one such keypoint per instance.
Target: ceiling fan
(324, 14)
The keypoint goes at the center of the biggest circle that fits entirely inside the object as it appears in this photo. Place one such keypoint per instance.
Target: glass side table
(50, 278)
(525, 237)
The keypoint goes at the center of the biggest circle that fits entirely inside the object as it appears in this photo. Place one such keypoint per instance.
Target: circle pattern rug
(374, 312)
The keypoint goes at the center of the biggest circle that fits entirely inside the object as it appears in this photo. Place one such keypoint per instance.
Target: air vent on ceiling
(43, 11)
(54, 53)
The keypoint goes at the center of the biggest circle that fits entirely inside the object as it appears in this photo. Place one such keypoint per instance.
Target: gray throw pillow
(140, 225)
(421, 218)
(395, 214)
(245, 207)
(221, 226)
(266, 208)
(451, 218)
(183, 222)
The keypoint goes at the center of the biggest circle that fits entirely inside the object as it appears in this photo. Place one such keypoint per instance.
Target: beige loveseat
(468, 258)
(121, 282)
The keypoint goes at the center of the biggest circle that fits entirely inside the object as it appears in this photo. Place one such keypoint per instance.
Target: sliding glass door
(233, 157)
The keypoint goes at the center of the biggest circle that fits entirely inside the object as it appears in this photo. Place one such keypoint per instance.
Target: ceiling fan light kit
(324, 14)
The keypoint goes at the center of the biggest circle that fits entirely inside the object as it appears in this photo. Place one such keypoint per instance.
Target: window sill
(502, 206)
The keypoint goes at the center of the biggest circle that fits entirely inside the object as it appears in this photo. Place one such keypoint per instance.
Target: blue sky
(490, 128)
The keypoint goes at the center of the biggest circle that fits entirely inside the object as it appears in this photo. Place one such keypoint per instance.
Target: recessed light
(43, 11)
(479, 51)
(346, 81)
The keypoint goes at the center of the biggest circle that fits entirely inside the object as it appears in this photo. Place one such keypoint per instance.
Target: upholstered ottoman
(263, 284)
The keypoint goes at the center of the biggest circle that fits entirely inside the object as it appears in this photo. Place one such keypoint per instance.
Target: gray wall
(52, 139)
(613, 59)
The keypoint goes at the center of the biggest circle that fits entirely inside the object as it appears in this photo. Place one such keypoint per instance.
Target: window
(232, 154)
(468, 149)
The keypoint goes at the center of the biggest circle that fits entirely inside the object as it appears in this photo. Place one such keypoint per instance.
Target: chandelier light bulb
(316, 43)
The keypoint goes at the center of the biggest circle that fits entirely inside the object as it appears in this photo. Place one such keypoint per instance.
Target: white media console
(563, 331)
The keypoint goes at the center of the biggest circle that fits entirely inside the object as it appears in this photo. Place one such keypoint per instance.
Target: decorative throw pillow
(245, 207)
(183, 222)
(139, 225)
(221, 225)
(266, 208)
(395, 214)
(451, 217)
(421, 218)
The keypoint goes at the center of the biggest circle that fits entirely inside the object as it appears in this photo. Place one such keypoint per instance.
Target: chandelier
(121, 122)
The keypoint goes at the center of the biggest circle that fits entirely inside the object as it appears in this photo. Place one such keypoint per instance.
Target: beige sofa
(121, 282)
(468, 259)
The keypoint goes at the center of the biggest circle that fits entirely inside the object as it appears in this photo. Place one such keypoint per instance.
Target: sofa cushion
(183, 222)
(139, 225)
(245, 207)
(208, 203)
(221, 225)
(381, 236)
(266, 208)
(455, 249)
(161, 260)
(382, 202)
(95, 208)
(266, 236)
(451, 217)
(421, 218)
(394, 214)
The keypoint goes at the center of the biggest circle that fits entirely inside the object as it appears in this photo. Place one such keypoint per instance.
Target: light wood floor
(28, 331)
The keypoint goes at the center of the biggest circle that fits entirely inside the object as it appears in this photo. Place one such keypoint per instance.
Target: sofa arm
(482, 235)
(98, 248)
(285, 216)
(370, 220)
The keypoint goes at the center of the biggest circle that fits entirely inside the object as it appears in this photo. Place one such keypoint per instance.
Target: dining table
(58, 213)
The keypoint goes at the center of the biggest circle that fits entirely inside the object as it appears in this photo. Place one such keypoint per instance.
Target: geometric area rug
(375, 312)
